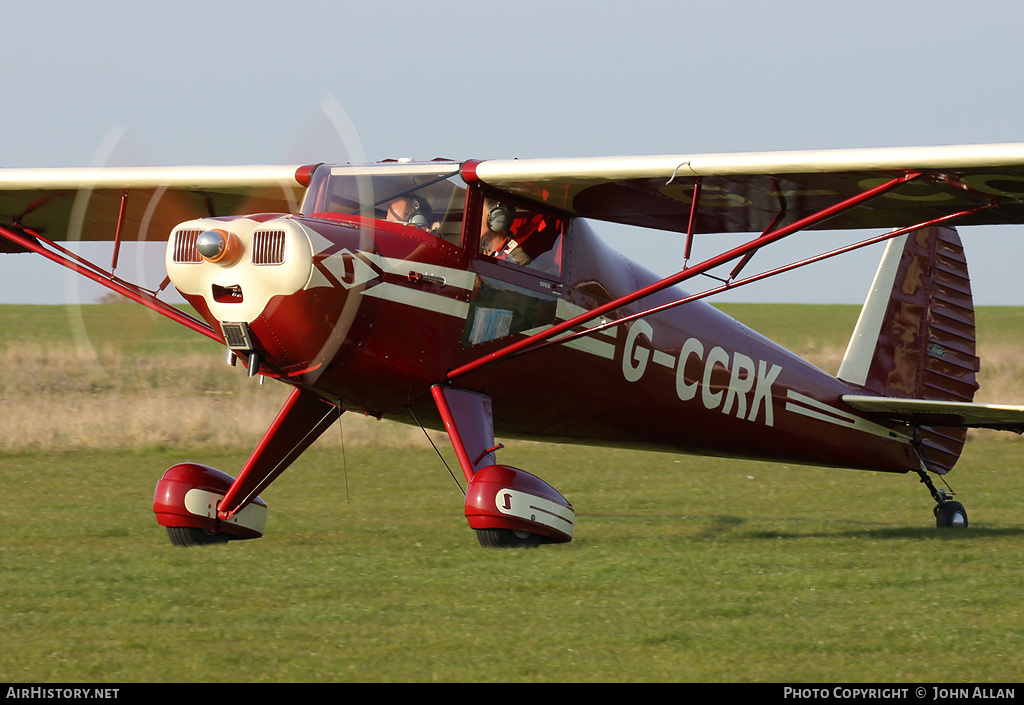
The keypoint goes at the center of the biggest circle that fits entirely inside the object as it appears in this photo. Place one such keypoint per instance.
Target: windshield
(430, 196)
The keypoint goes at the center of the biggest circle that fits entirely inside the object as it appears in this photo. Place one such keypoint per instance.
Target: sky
(260, 82)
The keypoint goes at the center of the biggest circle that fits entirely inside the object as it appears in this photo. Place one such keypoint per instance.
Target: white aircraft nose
(219, 259)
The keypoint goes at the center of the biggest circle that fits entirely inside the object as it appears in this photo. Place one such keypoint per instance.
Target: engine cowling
(280, 292)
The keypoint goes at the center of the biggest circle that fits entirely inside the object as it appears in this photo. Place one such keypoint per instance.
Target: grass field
(682, 569)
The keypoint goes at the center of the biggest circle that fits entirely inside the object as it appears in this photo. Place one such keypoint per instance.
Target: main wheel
(951, 515)
(507, 538)
(189, 536)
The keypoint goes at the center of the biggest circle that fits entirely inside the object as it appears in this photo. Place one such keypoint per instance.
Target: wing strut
(32, 241)
(692, 223)
(771, 226)
(688, 272)
(117, 233)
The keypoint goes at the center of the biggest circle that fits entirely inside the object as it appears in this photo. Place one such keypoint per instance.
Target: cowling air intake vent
(236, 335)
(268, 247)
(185, 251)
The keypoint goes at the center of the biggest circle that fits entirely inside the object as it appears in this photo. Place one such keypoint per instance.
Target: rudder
(915, 336)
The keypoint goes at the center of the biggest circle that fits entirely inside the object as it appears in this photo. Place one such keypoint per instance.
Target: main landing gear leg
(948, 514)
(506, 506)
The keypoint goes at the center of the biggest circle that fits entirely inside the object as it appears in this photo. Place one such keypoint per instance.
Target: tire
(189, 536)
(951, 515)
(506, 538)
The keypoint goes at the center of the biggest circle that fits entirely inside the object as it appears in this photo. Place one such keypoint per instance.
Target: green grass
(128, 327)
(682, 568)
(798, 327)
(804, 328)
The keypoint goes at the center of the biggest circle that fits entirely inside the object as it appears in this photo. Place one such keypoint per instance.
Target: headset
(418, 217)
(499, 217)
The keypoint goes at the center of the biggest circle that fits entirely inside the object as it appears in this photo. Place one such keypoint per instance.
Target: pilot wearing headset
(495, 239)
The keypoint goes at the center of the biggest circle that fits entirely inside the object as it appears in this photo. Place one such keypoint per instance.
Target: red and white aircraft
(473, 296)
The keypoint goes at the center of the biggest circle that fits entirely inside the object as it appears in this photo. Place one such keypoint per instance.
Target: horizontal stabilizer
(1000, 417)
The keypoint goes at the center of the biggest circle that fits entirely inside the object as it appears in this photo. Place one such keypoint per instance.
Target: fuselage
(371, 313)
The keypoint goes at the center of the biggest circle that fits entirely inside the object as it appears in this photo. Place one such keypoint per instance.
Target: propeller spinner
(218, 246)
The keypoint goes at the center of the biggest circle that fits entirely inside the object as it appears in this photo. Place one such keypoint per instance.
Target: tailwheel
(189, 536)
(507, 538)
(950, 515)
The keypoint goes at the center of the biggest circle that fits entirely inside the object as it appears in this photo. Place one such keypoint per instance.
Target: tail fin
(915, 336)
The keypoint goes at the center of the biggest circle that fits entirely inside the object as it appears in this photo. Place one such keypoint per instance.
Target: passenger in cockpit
(495, 238)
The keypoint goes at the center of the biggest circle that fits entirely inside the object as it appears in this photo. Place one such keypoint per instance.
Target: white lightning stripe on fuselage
(419, 299)
(584, 344)
(812, 408)
(601, 348)
(397, 293)
(459, 278)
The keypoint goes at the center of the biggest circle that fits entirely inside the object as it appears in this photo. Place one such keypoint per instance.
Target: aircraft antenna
(443, 461)
(344, 457)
